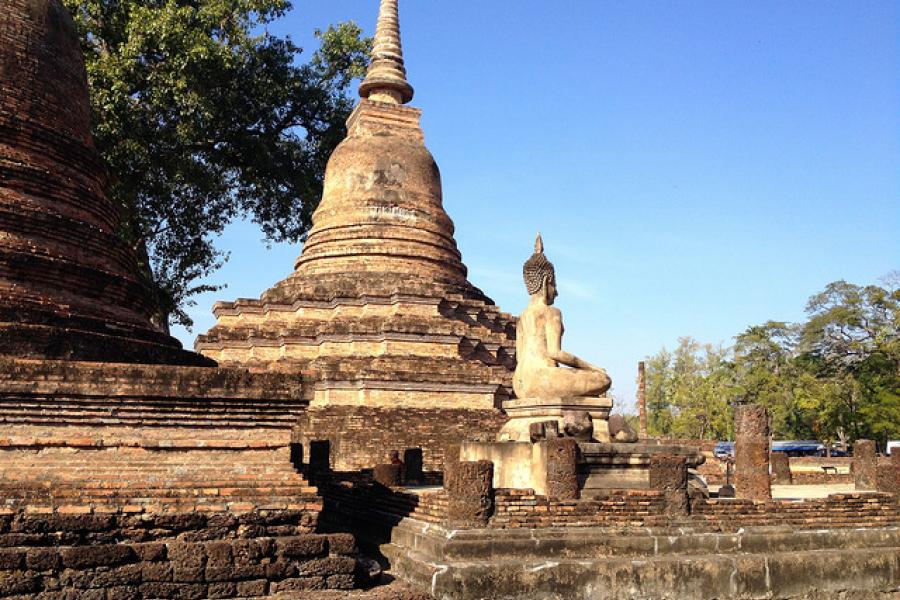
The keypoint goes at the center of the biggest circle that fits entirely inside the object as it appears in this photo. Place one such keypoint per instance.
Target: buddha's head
(540, 277)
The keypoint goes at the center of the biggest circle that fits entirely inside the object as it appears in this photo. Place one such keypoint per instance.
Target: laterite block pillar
(865, 465)
(751, 453)
(669, 475)
(781, 469)
(562, 464)
(470, 493)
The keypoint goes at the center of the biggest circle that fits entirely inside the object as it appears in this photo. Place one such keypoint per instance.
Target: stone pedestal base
(599, 466)
(523, 412)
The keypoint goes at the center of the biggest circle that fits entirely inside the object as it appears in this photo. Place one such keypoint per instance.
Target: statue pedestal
(523, 412)
(598, 466)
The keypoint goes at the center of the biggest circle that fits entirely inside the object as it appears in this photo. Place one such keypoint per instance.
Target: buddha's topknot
(537, 268)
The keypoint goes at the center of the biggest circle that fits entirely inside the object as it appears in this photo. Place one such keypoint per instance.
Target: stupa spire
(386, 78)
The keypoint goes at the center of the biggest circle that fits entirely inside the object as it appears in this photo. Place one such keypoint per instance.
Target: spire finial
(386, 78)
(539, 244)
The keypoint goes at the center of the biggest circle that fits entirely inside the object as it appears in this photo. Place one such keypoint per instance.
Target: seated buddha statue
(544, 369)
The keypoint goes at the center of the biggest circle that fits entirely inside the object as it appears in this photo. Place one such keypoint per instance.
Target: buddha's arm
(554, 329)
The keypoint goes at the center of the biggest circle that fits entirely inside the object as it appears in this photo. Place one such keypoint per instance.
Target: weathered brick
(324, 567)
(188, 562)
(156, 572)
(18, 583)
(342, 544)
(258, 587)
(296, 584)
(222, 590)
(43, 559)
(124, 593)
(339, 582)
(174, 591)
(302, 546)
(153, 551)
(219, 562)
(11, 559)
(97, 556)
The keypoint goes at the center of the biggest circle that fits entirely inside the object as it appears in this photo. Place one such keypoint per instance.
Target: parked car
(799, 447)
(724, 450)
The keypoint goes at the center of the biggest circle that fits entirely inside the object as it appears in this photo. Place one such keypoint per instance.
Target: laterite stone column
(451, 460)
(887, 474)
(562, 465)
(781, 469)
(471, 494)
(865, 465)
(669, 475)
(751, 453)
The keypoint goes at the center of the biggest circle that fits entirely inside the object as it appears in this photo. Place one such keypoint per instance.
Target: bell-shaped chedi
(381, 217)
(379, 306)
(69, 287)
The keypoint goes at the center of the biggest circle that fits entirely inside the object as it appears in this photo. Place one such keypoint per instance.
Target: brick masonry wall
(646, 508)
(522, 508)
(176, 479)
(125, 555)
(807, 470)
(820, 478)
(362, 437)
(112, 435)
(836, 511)
(156, 482)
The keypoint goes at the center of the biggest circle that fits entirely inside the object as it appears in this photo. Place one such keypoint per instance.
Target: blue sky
(695, 167)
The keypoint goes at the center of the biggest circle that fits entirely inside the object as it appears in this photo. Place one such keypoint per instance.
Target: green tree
(689, 391)
(658, 374)
(767, 373)
(202, 117)
(851, 342)
(835, 377)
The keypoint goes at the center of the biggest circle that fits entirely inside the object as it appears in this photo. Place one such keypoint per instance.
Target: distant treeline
(834, 377)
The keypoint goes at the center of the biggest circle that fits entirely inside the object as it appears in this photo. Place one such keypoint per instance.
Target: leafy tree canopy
(203, 116)
(834, 377)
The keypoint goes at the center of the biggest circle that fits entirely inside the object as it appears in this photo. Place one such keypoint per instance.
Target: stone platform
(650, 564)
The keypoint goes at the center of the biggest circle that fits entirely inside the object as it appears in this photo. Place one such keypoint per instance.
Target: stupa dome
(382, 201)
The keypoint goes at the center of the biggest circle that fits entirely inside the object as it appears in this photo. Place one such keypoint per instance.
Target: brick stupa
(69, 287)
(379, 311)
(131, 468)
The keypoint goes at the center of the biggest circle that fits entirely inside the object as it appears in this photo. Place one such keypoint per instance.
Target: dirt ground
(802, 492)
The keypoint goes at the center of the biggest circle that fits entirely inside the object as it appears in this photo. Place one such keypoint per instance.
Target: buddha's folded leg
(564, 382)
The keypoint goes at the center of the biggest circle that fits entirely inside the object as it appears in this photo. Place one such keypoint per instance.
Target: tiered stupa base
(390, 365)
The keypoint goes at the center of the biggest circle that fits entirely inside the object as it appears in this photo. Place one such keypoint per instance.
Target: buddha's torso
(532, 345)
